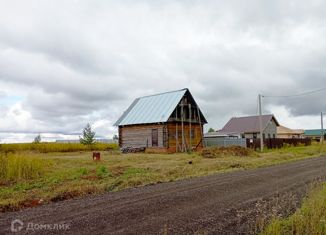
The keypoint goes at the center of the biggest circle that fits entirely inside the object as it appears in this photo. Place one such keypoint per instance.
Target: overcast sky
(66, 63)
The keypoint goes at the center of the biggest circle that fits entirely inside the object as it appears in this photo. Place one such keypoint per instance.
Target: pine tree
(211, 130)
(37, 139)
(115, 137)
(88, 135)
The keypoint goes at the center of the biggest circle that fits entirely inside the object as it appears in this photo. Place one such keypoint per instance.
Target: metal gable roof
(151, 109)
(313, 132)
(247, 124)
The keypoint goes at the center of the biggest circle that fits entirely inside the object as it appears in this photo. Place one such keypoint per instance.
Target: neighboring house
(314, 134)
(248, 127)
(170, 122)
(287, 133)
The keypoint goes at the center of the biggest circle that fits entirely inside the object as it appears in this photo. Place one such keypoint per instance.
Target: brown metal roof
(247, 124)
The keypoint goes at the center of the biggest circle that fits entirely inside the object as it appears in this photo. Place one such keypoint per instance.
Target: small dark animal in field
(190, 162)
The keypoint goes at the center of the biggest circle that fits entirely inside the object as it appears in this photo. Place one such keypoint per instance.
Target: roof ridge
(254, 116)
(161, 93)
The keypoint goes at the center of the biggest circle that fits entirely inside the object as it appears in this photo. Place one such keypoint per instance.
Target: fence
(277, 142)
(223, 142)
(255, 143)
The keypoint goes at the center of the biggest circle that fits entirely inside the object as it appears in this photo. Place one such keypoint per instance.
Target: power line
(296, 95)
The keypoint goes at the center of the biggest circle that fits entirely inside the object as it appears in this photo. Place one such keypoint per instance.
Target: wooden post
(201, 129)
(176, 130)
(182, 127)
(190, 141)
(260, 124)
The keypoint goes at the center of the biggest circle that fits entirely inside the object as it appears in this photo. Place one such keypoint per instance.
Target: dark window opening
(154, 137)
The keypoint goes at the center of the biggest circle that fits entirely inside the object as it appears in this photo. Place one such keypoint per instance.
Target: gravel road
(230, 203)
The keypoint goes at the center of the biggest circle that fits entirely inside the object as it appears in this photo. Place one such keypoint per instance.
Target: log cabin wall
(191, 142)
(137, 136)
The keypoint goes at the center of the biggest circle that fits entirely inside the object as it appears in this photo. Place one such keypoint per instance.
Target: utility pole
(322, 128)
(182, 126)
(260, 124)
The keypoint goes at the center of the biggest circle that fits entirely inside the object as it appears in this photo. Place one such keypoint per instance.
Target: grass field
(55, 147)
(309, 219)
(63, 174)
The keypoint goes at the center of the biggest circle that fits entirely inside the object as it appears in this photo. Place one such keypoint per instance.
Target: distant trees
(211, 130)
(37, 139)
(88, 137)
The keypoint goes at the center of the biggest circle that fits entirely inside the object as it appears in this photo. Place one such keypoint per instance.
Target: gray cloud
(3, 94)
(75, 62)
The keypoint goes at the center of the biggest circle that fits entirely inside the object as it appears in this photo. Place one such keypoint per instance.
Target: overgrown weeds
(309, 219)
(55, 147)
(16, 168)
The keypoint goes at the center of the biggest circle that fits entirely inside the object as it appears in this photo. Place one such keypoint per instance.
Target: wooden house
(166, 122)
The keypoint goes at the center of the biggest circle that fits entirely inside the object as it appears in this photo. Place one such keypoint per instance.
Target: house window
(264, 136)
(269, 135)
(243, 136)
(273, 136)
(255, 135)
(154, 137)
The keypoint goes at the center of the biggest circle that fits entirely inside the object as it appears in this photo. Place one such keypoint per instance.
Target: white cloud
(15, 117)
(74, 62)
(296, 122)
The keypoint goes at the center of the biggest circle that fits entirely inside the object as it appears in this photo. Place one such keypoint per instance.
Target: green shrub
(286, 145)
(102, 171)
(16, 168)
(83, 171)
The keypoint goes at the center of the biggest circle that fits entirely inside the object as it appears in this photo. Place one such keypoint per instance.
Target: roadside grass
(74, 174)
(309, 219)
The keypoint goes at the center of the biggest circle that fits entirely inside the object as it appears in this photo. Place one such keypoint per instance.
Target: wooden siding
(194, 140)
(137, 136)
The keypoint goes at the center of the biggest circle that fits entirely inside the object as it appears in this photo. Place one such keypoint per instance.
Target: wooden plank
(140, 135)
(173, 141)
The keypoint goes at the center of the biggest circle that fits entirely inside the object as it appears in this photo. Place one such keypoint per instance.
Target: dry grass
(55, 147)
(309, 219)
(75, 174)
(15, 168)
(213, 152)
